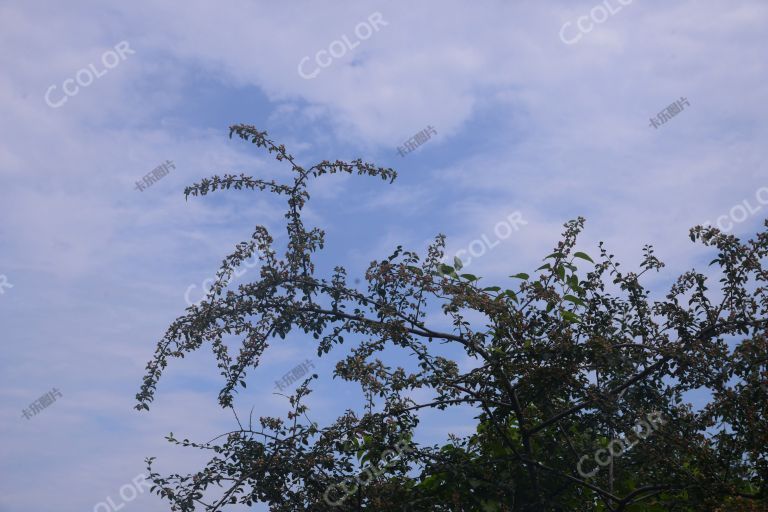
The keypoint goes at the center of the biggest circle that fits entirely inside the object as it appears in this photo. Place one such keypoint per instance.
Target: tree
(579, 385)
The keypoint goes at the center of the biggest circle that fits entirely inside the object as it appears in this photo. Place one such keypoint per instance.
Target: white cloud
(525, 123)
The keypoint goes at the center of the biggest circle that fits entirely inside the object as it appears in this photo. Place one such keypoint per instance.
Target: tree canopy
(580, 376)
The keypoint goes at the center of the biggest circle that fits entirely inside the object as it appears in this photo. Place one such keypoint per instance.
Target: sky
(537, 111)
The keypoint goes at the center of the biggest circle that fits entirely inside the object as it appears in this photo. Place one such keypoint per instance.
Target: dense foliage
(571, 363)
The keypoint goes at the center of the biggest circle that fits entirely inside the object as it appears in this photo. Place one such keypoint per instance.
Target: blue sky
(525, 123)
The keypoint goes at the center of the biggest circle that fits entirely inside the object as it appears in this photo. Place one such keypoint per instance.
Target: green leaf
(470, 277)
(492, 289)
(511, 295)
(473, 483)
(457, 263)
(573, 282)
(575, 300)
(555, 255)
(545, 266)
(569, 316)
(446, 269)
(521, 275)
(583, 256)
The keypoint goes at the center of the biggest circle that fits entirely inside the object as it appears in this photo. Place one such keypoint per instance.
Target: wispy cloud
(526, 123)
